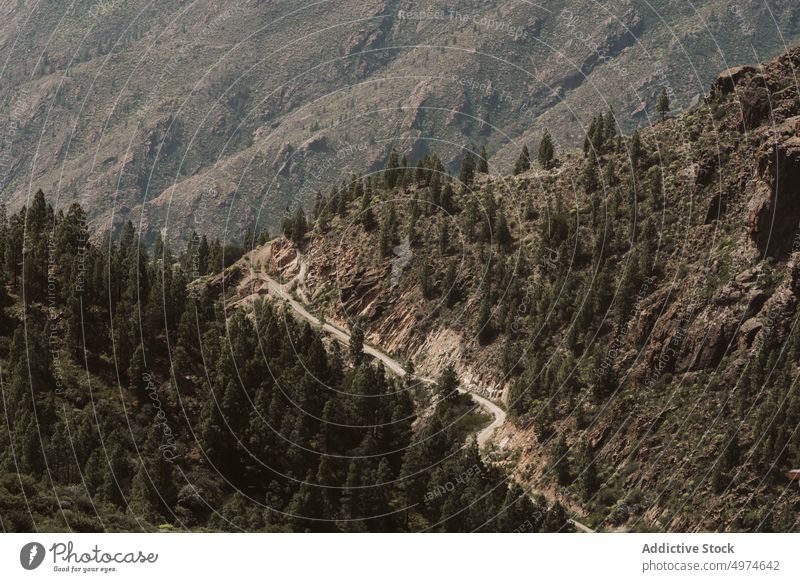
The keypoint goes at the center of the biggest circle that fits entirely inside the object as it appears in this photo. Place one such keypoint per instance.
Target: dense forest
(134, 400)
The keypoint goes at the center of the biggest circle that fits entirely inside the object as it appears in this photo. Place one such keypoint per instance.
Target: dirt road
(281, 291)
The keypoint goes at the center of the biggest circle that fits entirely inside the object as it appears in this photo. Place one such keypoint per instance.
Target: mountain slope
(635, 305)
(216, 116)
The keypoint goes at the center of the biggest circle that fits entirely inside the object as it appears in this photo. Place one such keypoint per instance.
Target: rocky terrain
(216, 117)
(634, 306)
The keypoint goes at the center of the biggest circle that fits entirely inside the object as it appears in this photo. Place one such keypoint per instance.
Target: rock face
(679, 351)
(764, 102)
(774, 212)
(727, 81)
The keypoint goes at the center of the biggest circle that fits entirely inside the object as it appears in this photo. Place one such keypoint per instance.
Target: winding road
(281, 291)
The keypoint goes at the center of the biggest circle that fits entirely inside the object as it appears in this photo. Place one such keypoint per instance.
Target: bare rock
(748, 332)
(774, 209)
(727, 80)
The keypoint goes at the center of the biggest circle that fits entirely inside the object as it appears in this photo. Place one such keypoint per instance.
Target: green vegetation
(134, 402)
(591, 296)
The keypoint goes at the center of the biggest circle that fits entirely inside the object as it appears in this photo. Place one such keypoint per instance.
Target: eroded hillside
(216, 116)
(634, 305)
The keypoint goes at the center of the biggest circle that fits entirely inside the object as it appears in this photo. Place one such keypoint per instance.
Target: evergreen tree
(467, 170)
(662, 105)
(447, 385)
(137, 373)
(610, 128)
(546, 151)
(425, 283)
(356, 346)
(446, 200)
(392, 170)
(590, 178)
(444, 238)
(299, 226)
(559, 462)
(483, 161)
(502, 232)
(484, 328)
(386, 236)
(523, 163)
(203, 253)
(451, 285)
(636, 151)
(588, 482)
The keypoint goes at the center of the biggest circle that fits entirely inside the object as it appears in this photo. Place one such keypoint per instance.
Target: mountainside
(136, 398)
(635, 306)
(632, 306)
(216, 117)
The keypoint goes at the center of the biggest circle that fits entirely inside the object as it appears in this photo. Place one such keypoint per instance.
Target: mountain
(633, 305)
(218, 117)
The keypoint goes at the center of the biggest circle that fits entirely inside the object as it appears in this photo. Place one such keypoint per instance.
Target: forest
(134, 401)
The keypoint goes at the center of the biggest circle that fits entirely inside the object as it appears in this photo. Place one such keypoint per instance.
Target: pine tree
(447, 384)
(590, 179)
(588, 482)
(610, 129)
(587, 140)
(523, 163)
(386, 237)
(137, 373)
(143, 500)
(5, 296)
(484, 328)
(203, 256)
(502, 232)
(483, 161)
(356, 344)
(446, 201)
(489, 214)
(366, 215)
(467, 170)
(636, 151)
(451, 285)
(444, 238)
(559, 462)
(546, 151)
(435, 193)
(662, 106)
(299, 226)
(36, 241)
(425, 283)
(392, 169)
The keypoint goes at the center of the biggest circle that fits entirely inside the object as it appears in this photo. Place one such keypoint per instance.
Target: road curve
(280, 291)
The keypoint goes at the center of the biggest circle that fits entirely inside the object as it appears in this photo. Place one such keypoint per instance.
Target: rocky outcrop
(727, 81)
(774, 209)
